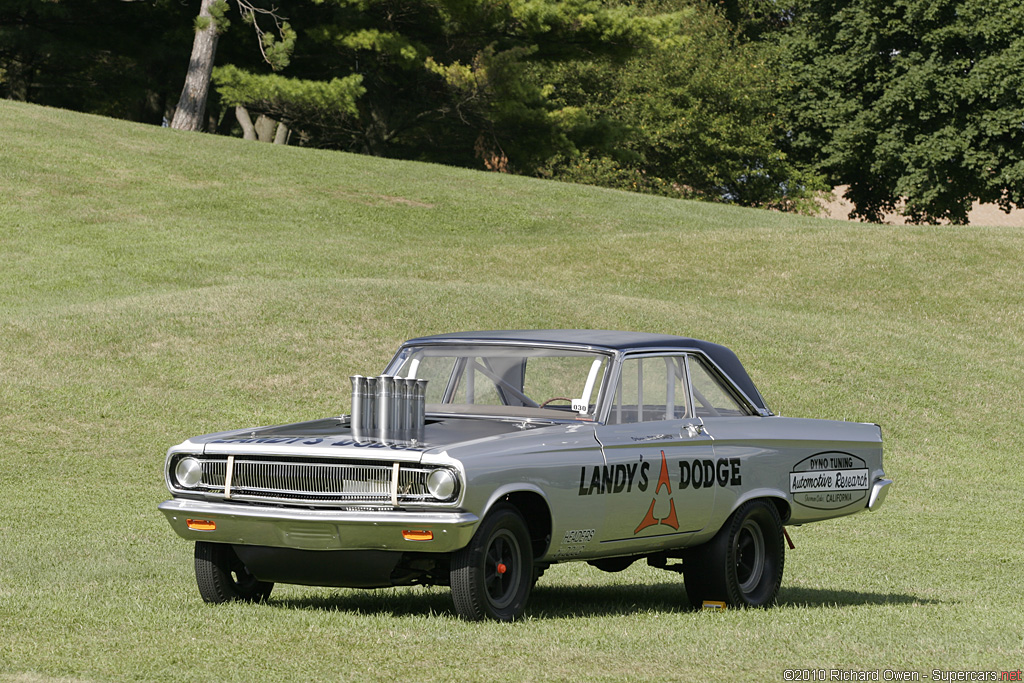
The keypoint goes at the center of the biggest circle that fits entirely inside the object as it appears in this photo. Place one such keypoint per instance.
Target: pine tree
(210, 24)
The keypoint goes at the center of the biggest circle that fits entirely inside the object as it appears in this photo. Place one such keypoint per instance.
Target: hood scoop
(388, 409)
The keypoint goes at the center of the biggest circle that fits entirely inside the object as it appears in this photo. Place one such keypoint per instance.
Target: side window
(650, 388)
(711, 397)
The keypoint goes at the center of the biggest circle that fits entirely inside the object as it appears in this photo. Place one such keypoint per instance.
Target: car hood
(333, 437)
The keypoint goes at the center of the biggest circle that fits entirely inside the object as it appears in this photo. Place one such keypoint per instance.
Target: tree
(321, 107)
(647, 95)
(437, 80)
(913, 100)
(756, 19)
(210, 24)
(192, 104)
(692, 114)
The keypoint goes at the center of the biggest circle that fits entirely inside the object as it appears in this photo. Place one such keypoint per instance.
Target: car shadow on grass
(668, 597)
(546, 602)
(393, 602)
(557, 602)
(822, 597)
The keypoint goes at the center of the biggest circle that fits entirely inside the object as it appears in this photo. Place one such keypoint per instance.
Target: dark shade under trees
(120, 59)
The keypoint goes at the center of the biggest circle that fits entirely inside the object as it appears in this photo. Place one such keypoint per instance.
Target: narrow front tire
(222, 577)
(491, 578)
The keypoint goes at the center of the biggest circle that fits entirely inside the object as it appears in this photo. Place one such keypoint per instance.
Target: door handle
(693, 430)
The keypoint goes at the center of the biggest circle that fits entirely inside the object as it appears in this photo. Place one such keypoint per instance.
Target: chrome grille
(315, 482)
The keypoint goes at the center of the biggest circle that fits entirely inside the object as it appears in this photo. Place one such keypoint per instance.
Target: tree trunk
(265, 127)
(192, 104)
(244, 120)
(282, 134)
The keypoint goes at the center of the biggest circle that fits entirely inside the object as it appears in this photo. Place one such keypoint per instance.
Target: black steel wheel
(742, 565)
(491, 578)
(222, 577)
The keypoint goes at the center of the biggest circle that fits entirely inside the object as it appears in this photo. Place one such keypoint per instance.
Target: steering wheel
(556, 398)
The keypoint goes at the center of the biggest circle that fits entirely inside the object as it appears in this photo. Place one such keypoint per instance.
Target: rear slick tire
(222, 577)
(491, 578)
(742, 565)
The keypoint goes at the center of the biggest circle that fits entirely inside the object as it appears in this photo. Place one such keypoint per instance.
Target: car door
(657, 482)
(729, 420)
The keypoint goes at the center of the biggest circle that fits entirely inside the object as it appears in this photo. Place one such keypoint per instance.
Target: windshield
(506, 381)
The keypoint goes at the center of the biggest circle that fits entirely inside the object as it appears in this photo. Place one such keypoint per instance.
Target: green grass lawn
(155, 285)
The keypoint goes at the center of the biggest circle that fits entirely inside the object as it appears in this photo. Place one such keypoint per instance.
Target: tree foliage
(656, 96)
(693, 113)
(323, 107)
(914, 99)
(441, 80)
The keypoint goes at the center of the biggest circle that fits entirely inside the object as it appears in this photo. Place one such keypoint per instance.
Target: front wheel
(492, 576)
(222, 577)
(742, 565)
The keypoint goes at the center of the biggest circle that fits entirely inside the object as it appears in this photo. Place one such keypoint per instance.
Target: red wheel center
(502, 568)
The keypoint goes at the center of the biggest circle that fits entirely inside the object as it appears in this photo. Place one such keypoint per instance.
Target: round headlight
(189, 472)
(441, 484)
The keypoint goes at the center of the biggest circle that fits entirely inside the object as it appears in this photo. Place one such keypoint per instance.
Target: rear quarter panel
(821, 468)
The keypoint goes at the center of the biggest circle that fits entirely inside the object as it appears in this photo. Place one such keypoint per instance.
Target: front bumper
(320, 529)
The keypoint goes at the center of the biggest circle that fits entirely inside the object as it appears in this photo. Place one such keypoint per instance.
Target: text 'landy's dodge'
(477, 460)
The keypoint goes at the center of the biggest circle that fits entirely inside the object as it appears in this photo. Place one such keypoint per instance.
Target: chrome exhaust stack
(357, 418)
(418, 406)
(388, 409)
(385, 397)
(400, 410)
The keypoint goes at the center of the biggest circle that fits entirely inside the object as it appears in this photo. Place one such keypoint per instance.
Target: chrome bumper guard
(320, 529)
(878, 492)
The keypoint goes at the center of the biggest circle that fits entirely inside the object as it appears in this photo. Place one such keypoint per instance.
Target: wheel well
(535, 512)
(782, 505)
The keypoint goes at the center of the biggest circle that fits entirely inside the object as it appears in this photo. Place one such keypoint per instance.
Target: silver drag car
(479, 459)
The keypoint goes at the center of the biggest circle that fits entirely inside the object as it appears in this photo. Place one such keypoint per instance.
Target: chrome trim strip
(476, 341)
(394, 486)
(615, 377)
(229, 472)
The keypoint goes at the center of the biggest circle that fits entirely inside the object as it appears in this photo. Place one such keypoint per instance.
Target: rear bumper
(320, 529)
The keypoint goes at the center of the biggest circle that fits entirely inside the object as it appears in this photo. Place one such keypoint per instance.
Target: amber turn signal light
(417, 535)
(201, 524)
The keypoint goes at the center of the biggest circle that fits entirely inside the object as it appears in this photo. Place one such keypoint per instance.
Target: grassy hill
(156, 285)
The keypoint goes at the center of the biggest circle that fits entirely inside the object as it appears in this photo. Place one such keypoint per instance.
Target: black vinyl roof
(612, 340)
